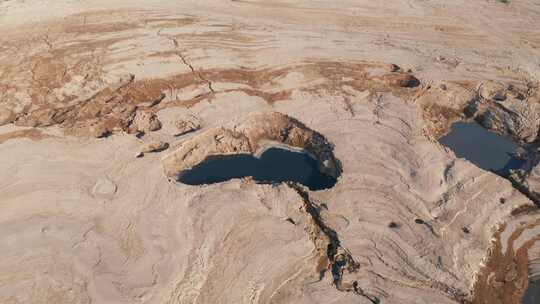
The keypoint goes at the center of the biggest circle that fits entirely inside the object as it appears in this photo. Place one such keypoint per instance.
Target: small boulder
(155, 146)
(146, 121)
(403, 80)
(419, 221)
(493, 91)
(187, 125)
(393, 67)
(98, 130)
(393, 225)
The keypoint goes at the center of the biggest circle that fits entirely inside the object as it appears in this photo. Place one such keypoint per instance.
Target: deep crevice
(328, 247)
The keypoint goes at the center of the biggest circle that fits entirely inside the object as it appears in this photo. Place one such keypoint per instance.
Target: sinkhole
(492, 152)
(481, 147)
(274, 165)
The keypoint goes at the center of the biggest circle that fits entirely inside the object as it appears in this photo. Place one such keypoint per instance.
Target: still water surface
(481, 147)
(274, 166)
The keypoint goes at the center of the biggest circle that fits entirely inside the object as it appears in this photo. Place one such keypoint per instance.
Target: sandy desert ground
(103, 104)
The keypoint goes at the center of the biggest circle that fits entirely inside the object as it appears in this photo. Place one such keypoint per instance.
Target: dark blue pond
(532, 295)
(274, 166)
(481, 147)
(488, 151)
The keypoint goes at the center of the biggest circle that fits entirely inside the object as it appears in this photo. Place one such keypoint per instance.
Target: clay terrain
(108, 108)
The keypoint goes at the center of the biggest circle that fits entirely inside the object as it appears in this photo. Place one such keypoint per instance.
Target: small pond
(481, 147)
(488, 151)
(532, 295)
(273, 166)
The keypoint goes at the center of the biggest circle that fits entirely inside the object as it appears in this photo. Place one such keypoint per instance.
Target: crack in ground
(331, 255)
(187, 63)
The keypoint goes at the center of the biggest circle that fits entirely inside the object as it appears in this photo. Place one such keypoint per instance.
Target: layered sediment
(365, 88)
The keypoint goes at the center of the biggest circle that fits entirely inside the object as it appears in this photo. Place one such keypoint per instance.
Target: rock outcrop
(187, 125)
(145, 121)
(154, 146)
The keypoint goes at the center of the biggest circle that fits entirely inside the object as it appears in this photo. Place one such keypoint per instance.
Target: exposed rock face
(507, 110)
(146, 122)
(514, 118)
(154, 146)
(42, 118)
(510, 113)
(259, 130)
(493, 91)
(187, 125)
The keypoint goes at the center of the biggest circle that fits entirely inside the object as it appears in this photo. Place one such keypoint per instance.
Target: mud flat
(106, 105)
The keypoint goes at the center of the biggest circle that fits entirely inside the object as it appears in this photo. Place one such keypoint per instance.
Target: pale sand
(84, 221)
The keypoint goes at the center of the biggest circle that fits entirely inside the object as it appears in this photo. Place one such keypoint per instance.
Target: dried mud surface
(103, 103)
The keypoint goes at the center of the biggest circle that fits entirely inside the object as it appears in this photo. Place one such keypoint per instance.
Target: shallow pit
(481, 147)
(275, 165)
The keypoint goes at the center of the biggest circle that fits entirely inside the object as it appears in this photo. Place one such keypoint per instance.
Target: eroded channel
(275, 165)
